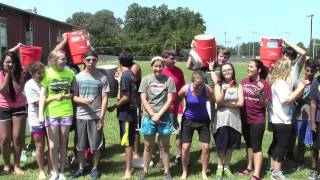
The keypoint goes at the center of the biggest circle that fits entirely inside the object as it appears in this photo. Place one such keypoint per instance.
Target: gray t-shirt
(90, 86)
(295, 70)
(157, 90)
(315, 95)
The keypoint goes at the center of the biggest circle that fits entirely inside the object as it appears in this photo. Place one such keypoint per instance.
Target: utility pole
(238, 41)
(225, 39)
(310, 46)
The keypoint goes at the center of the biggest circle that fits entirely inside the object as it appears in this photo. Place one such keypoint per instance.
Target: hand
(117, 76)
(260, 88)
(64, 36)
(58, 97)
(87, 101)
(193, 44)
(112, 108)
(40, 119)
(67, 96)
(314, 127)
(156, 117)
(306, 82)
(211, 64)
(100, 124)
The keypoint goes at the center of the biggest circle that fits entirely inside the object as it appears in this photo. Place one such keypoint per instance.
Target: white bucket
(109, 71)
(195, 58)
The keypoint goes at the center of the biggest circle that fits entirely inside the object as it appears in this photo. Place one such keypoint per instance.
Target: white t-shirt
(32, 92)
(280, 112)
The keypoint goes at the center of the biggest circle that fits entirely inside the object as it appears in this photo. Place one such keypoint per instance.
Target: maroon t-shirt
(254, 111)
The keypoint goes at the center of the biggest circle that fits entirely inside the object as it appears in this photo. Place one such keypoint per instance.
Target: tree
(80, 19)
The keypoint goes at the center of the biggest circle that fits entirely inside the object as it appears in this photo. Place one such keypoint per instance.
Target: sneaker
(143, 175)
(95, 173)
(278, 176)
(54, 176)
(219, 173)
(177, 160)
(23, 157)
(227, 172)
(79, 173)
(167, 176)
(61, 177)
(313, 175)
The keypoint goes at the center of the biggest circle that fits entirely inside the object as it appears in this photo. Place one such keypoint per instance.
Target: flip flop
(245, 172)
(255, 178)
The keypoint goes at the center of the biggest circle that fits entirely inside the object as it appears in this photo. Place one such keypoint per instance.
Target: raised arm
(302, 53)
(61, 45)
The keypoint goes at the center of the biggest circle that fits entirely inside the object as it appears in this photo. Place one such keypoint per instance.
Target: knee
(205, 148)
(165, 147)
(5, 141)
(185, 148)
(148, 147)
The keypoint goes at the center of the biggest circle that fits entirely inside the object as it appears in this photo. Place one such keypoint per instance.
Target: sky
(237, 20)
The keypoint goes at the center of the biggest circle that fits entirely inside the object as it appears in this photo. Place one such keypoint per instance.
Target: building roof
(33, 14)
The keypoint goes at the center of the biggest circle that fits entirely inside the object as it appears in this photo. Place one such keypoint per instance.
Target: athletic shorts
(188, 127)
(58, 121)
(151, 128)
(88, 135)
(227, 138)
(253, 135)
(7, 113)
(127, 132)
(39, 130)
(280, 141)
(139, 117)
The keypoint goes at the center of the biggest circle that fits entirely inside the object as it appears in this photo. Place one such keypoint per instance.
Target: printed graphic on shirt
(157, 88)
(59, 86)
(251, 92)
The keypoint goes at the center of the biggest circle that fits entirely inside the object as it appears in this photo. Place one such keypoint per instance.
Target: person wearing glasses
(90, 95)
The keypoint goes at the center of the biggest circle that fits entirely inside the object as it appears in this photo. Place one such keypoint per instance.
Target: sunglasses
(91, 59)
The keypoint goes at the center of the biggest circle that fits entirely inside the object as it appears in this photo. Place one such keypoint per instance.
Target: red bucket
(29, 54)
(78, 45)
(205, 47)
(270, 50)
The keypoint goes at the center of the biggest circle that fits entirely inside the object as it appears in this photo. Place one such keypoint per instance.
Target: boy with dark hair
(127, 109)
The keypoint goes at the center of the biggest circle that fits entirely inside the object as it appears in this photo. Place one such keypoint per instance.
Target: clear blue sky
(248, 19)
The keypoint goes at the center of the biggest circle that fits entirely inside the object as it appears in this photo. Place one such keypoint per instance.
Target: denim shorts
(151, 128)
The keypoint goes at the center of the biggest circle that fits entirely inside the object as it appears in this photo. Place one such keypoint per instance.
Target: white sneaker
(61, 177)
(54, 176)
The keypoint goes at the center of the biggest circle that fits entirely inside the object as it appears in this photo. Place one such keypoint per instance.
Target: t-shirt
(58, 83)
(6, 101)
(315, 95)
(302, 107)
(90, 86)
(157, 90)
(280, 112)
(254, 111)
(127, 85)
(32, 91)
(177, 75)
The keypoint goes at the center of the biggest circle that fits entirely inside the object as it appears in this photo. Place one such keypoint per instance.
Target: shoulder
(244, 81)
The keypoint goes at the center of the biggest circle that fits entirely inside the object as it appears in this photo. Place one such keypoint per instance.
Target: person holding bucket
(156, 91)
(195, 117)
(12, 109)
(58, 114)
(227, 122)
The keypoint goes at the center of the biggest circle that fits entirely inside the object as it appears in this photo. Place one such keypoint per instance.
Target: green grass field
(112, 161)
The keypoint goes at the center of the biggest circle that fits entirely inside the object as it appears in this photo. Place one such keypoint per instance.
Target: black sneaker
(177, 160)
(143, 175)
(95, 174)
(167, 176)
(78, 174)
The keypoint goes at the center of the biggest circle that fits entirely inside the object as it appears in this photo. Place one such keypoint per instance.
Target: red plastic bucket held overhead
(270, 50)
(29, 54)
(78, 45)
(205, 47)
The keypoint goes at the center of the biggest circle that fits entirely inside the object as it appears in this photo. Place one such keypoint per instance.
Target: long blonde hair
(281, 70)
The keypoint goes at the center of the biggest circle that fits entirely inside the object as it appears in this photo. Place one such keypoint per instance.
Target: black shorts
(127, 132)
(253, 135)
(227, 138)
(280, 141)
(187, 128)
(316, 138)
(7, 113)
(88, 135)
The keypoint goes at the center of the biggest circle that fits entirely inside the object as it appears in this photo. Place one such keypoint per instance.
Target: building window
(29, 33)
(3, 32)
(58, 35)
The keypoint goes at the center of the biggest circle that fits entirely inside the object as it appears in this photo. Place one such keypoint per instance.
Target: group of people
(213, 103)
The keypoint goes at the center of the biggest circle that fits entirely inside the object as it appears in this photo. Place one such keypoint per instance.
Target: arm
(181, 94)
(263, 99)
(236, 104)
(103, 110)
(42, 103)
(190, 65)
(16, 47)
(210, 93)
(313, 111)
(299, 50)
(218, 94)
(4, 86)
(62, 43)
(145, 103)
(136, 70)
(295, 94)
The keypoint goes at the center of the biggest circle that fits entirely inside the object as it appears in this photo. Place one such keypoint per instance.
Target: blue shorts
(304, 132)
(150, 128)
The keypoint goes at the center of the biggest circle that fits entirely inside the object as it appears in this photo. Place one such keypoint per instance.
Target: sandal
(255, 178)
(245, 172)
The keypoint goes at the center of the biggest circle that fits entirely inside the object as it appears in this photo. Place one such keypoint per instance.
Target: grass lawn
(112, 161)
